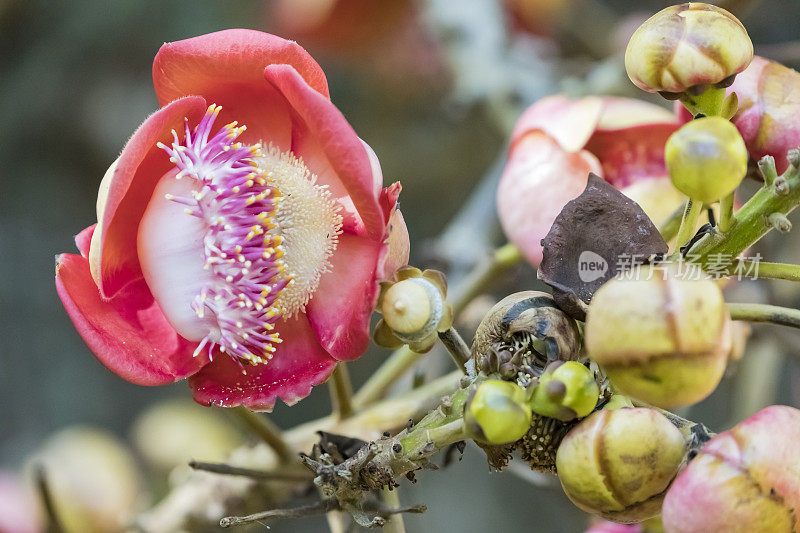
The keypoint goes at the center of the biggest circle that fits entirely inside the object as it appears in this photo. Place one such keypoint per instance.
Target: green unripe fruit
(706, 159)
(660, 337)
(566, 390)
(497, 413)
(619, 463)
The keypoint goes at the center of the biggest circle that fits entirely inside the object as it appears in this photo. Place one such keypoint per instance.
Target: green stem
(269, 432)
(753, 220)
(766, 270)
(725, 213)
(341, 391)
(691, 213)
(709, 103)
(669, 228)
(774, 314)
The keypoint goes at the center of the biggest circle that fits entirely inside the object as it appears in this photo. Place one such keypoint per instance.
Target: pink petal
(769, 109)
(84, 239)
(298, 365)
(125, 190)
(539, 179)
(340, 310)
(620, 113)
(570, 122)
(332, 150)
(227, 68)
(128, 333)
(395, 254)
(631, 154)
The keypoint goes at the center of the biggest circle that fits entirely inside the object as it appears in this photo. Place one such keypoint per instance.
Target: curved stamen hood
(233, 238)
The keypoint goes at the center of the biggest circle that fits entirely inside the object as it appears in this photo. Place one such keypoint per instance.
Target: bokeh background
(433, 85)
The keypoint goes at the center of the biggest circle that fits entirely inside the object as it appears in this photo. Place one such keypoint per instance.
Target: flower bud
(566, 390)
(521, 335)
(687, 45)
(93, 479)
(659, 336)
(745, 479)
(497, 413)
(414, 309)
(706, 159)
(618, 464)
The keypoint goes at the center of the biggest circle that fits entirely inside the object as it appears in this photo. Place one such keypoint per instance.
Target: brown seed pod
(521, 334)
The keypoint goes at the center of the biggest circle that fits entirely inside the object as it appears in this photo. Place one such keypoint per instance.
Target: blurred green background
(75, 83)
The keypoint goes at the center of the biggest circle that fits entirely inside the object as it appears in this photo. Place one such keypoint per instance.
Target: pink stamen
(240, 246)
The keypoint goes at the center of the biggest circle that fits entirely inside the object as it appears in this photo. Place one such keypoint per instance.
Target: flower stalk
(752, 221)
(267, 431)
(341, 391)
(765, 313)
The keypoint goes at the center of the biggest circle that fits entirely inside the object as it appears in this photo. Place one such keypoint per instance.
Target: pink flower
(246, 257)
(558, 141)
(769, 109)
(745, 479)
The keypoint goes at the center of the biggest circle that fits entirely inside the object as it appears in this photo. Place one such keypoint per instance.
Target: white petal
(171, 253)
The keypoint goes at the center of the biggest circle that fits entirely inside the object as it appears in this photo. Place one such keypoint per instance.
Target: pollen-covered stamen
(237, 204)
(260, 235)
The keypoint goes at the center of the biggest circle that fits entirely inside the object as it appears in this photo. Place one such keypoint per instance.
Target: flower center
(233, 238)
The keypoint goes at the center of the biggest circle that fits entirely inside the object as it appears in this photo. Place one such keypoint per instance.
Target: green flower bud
(617, 401)
(685, 46)
(660, 337)
(618, 464)
(414, 309)
(706, 159)
(497, 413)
(566, 390)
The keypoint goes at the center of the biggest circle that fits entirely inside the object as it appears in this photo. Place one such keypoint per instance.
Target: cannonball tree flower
(242, 232)
(769, 109)
(558, 141)
(744, 479)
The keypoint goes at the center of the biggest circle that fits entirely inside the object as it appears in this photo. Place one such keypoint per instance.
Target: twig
(456, 346)
(341, 392)
(294, 512)
(774, 314)
(42, 486)
(394, 523)
(269, 432)
(230, 470)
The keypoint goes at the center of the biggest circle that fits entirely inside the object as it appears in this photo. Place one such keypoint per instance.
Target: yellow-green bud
(618, 401)
(497, 413)
(618, 463)
(414, 309)
(687, 45)
(660, 337)
(706, 159)
(566, 390)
